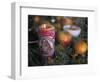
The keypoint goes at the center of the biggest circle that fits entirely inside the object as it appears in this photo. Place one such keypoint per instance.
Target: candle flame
(44, 25)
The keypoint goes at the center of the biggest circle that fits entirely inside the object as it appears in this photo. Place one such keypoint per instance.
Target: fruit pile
(71, 41)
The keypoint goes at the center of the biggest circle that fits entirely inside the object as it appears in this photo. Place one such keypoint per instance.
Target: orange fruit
(81, 47)
(64, 38)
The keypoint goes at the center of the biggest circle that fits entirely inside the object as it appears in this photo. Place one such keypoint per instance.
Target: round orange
(81, 47)
(64, 38)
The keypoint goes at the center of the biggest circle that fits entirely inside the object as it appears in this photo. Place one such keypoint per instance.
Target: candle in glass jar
(47, 39)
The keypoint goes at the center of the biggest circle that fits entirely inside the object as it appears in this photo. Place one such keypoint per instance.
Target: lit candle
(47, 39)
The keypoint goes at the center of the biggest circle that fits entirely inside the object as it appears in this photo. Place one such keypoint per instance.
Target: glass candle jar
(47, 39)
